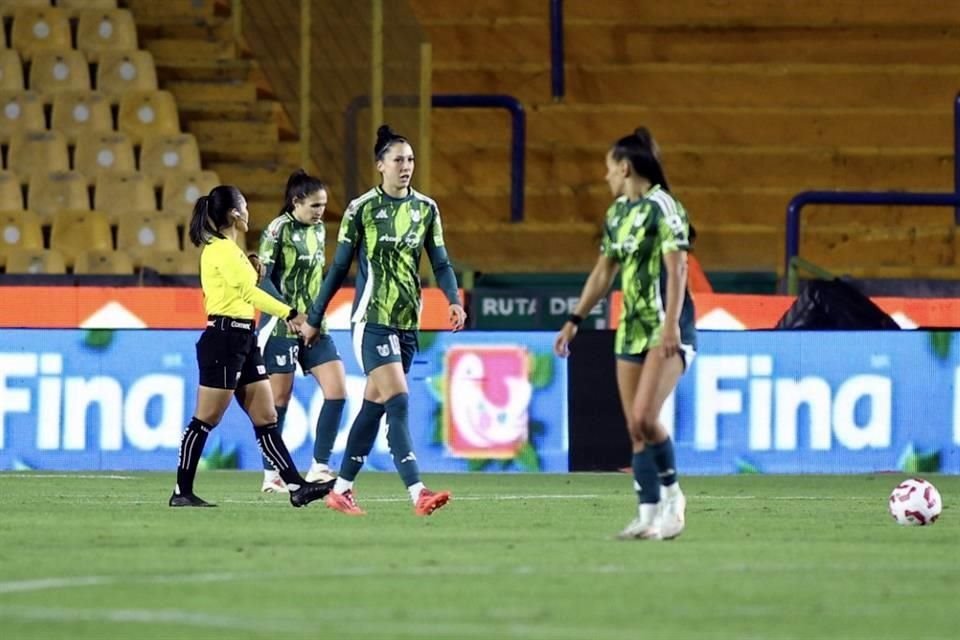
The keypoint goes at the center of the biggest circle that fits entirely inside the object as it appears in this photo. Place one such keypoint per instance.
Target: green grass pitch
(513, 556)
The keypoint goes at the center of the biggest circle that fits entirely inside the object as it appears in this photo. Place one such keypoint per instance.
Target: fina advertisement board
(118, 400)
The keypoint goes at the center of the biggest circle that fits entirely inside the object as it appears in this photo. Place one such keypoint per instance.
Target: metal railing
(557, 86)
(873, 198)
(518, 117)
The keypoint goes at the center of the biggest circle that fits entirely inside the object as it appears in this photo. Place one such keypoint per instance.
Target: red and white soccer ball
(915, 502)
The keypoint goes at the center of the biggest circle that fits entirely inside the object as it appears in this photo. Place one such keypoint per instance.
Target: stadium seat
(37, 152)
(120, 72)
(98, 153)
(103, 262)
(20, 111)
(40, 29)
(106, 30)
(11, 71)
(19, 230)
(137, 233)
(9, 7)
(35, 261)
(170, 262)
(11, 194)
(57, 190)
(161, 156)
(124, 192)
(181, 190)
(76, 231)
(148, 113)
(53, 72)
(75, 112)
(74, 8)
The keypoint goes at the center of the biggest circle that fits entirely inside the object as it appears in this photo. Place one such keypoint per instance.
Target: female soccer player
(645, 236)
(229, 360)
(387, 228)
(291, 252)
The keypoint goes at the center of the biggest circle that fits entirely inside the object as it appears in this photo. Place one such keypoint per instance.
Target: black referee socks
(191, 448)
(273, 449)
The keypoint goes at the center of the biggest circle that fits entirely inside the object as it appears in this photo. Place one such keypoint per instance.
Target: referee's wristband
(293, 314)
(575, 320)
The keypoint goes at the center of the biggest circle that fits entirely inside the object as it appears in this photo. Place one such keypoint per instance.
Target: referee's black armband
(575, 319)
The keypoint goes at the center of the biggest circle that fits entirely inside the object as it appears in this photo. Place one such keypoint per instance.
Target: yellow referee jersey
(229, 283)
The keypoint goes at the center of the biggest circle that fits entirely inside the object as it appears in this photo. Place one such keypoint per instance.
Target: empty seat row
(117, 194)
(72, 7)
(96, 153)
(98, 262)
(36, 30)
(55, 72)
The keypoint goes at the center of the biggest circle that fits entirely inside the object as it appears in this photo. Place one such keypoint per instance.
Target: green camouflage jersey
(388, 235)
(293, 255)
(637, 235)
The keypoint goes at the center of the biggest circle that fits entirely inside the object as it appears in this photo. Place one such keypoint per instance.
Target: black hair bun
(384, 133)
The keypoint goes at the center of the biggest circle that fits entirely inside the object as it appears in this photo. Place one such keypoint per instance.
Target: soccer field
(513, 556)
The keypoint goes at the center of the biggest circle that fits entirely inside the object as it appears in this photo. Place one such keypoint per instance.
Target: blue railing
(518, 138)
(557, 87)
(873, 198)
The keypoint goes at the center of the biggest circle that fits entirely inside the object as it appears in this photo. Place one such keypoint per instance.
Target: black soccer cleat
(189, 500)
(310, 491)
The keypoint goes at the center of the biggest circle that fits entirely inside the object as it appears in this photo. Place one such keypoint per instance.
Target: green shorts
(376, 345)
(281, 355)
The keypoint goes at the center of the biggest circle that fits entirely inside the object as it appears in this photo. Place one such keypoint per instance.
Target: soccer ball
(915, 502)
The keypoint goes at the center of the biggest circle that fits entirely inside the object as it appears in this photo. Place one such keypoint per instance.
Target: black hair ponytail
(300, 184)
(386, 138)
(211, 213)
(643, 153)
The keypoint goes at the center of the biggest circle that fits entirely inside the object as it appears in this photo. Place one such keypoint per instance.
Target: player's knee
(642, 426)
(282, 398)
(208, 422)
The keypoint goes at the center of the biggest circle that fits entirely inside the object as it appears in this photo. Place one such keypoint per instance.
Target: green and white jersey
(637, 235)
(389, 235)
(293, 254)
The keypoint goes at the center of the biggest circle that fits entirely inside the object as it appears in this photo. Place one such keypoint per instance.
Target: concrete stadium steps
(670, 85)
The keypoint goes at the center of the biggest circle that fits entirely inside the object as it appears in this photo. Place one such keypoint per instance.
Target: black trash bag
(834, 304)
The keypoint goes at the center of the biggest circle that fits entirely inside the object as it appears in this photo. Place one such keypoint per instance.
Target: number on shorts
(395, 345)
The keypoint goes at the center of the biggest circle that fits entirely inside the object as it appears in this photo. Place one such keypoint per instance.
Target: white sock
(320, 466)
(670, 492)
(648, 512)
(270, 474)
(415, 490)
(341, 486)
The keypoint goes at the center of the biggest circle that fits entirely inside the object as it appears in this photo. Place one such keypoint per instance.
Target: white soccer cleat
(272, 483)
(320, 472)
(673, 518)
(641, 529)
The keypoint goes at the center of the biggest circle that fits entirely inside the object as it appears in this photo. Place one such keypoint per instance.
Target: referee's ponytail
(211, 214)
(641, 150)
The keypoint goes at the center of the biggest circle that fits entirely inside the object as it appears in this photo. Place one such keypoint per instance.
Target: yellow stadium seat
(148, 113)
(120, 72)
(161, 156)
(98, 153)
(52, 72)
(20, 111)
(76, 112)
(73, 232)
(9, 7)
(11, 71)
(75, 7)
(19, 230)
(103, 262)
(36, 261)
(181, 190)
(106, 30)
(11, 194)
(137, 233)
(37, 152)
(55, 191)
(40, 29)
(122, 193)
(170, 262)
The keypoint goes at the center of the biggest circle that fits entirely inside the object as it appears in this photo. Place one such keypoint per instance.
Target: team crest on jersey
(415, 215)
(412, 240)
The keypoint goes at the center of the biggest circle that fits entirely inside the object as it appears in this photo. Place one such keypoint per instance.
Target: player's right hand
(561, 344)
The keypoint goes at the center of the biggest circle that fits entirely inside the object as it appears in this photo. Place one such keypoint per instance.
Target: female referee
(387, 227)
(646, 234)
(229, 361)
(291, 252)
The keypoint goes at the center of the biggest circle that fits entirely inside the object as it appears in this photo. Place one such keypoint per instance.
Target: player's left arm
(443, 271)
(673, 235)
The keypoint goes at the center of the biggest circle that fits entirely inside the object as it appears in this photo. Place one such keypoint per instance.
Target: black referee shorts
(227, 354)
